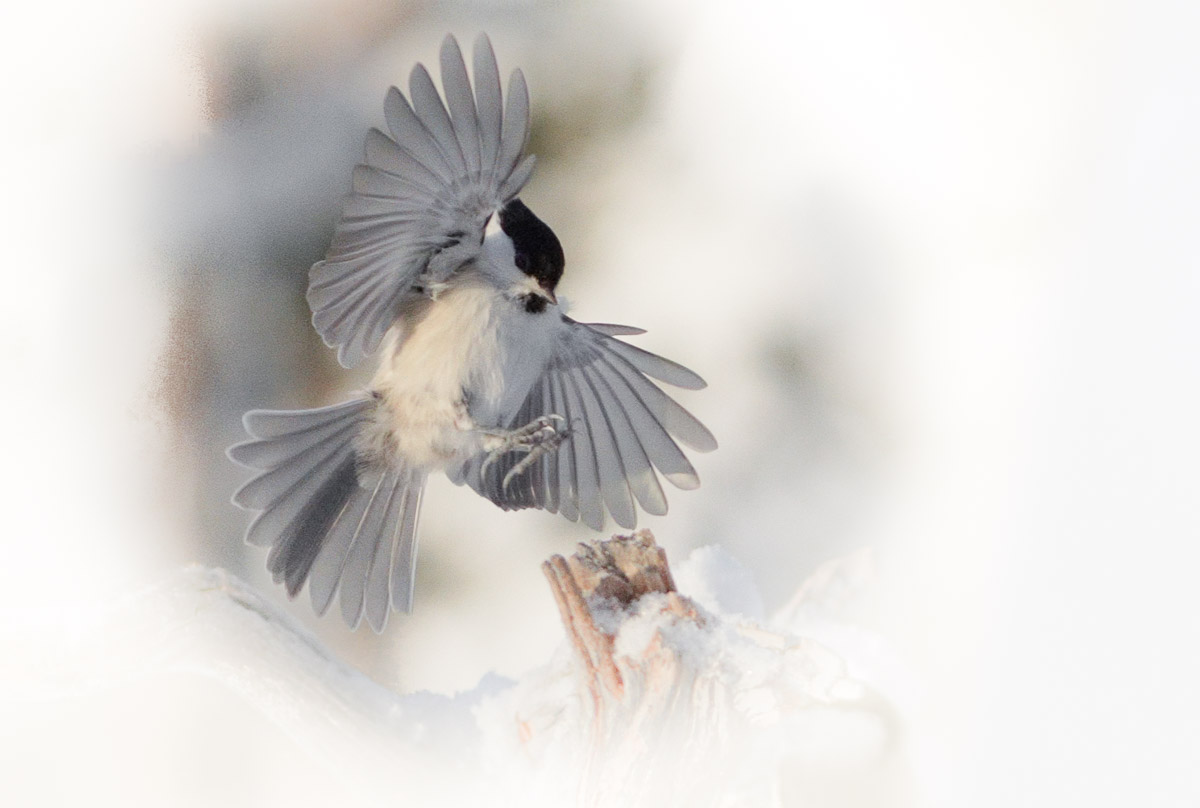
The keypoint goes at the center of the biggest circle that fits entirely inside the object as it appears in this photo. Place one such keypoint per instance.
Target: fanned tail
(327, 518)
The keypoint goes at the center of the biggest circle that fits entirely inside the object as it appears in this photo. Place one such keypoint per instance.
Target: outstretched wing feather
(622, 428)
(424, 193)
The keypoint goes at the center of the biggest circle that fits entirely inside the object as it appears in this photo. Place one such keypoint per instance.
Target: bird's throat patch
(533, 304)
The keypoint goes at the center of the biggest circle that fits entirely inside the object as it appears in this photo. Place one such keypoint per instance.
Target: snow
(767, 695)
(719, 582)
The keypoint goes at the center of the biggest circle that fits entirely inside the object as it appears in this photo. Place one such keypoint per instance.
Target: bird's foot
(538, 438)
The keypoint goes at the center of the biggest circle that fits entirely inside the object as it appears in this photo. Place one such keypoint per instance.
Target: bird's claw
(537, 438)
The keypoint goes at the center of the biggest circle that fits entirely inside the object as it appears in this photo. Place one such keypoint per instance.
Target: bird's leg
(537, 438)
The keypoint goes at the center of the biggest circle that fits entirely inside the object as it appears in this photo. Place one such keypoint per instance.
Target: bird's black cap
(538, 251)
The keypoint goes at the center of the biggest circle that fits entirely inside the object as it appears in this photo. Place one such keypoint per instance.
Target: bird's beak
(546, 293)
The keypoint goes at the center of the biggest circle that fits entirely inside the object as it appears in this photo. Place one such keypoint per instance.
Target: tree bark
(656, 723)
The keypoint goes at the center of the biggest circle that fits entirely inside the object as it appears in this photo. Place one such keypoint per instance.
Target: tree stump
(656, 722)
(600, 577)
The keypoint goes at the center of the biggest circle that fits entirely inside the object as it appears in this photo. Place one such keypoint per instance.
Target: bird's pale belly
(446, 378)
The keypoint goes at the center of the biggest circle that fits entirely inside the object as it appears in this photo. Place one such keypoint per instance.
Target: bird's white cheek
(499, 257)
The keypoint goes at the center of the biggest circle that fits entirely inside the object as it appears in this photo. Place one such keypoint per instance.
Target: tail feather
(393, 554)
(324, 519)
(292, 556)
(404, 562)
(269, 453)
(270, 424)
(367, 538)
(283, 504)
(292, 471)
(327, 571)
(376, 598)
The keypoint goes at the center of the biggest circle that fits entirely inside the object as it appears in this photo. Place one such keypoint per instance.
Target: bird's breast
(467, 360)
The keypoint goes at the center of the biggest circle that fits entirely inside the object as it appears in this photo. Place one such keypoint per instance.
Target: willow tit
(481, 376)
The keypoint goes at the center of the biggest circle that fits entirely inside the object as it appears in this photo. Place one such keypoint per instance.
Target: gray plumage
(422, 199)
(481, 375)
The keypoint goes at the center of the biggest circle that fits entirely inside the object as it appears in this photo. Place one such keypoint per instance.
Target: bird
(439, 267)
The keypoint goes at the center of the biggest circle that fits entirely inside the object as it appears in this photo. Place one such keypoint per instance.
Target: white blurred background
(935, 259)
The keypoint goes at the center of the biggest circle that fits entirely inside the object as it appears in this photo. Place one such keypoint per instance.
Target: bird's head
(537, 252)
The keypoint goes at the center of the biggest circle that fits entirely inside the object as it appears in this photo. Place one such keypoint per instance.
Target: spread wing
(623, 427)
(422, 198)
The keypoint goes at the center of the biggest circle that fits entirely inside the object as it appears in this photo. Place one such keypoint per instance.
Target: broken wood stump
(677, 704)
(649, 711)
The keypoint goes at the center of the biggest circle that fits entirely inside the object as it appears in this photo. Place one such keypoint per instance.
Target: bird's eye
(522, 261)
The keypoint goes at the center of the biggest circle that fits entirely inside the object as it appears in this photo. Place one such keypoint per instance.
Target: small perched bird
(481, 376)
